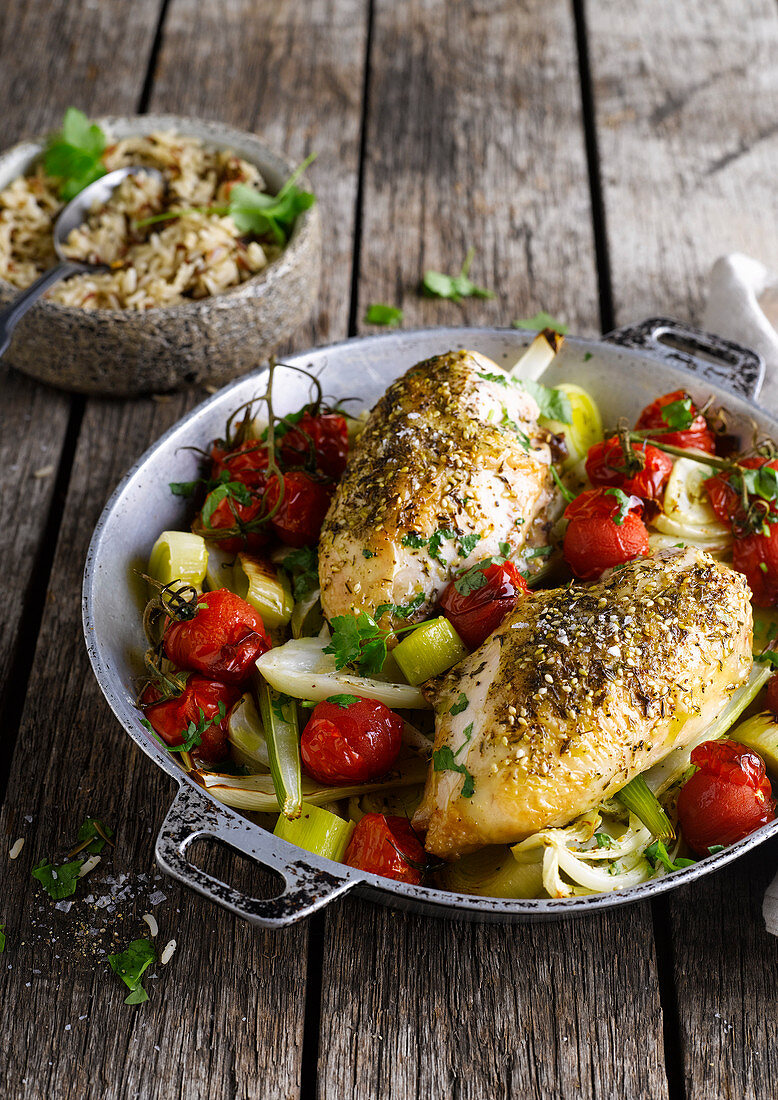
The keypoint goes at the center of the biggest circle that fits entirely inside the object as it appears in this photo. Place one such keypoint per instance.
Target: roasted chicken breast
(578, 691)
(451, 464)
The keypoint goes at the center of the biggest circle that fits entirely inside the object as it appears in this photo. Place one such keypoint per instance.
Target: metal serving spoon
(71, 216)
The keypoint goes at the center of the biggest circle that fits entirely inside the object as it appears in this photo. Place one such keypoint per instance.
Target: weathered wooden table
(599, 157)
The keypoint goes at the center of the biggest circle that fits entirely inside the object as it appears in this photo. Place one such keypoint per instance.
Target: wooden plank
(475, 137)
(72, 47)
(686, 100)
(226, 1016)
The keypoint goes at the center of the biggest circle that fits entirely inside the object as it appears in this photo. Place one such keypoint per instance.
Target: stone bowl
(209, 340)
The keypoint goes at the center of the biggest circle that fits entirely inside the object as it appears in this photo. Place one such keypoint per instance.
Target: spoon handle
(11, 315)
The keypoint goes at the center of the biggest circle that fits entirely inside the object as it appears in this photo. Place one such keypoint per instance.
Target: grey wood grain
(52, 57)
(686, 99)
(475, 137)
(226, 1015)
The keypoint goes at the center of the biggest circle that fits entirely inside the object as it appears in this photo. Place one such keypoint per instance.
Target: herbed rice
(163, 264)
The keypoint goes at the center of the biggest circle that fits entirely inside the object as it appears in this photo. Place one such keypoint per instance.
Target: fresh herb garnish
(506, 422)
(225, 490)
(467, 544)
(563, 489)
(130, 966)
(342, 701)
(713, 849)
(461, 704)
(367, 553)
(540, 321)
(475, 577)
(587, 357)
(183, 488)
(505, 548)
(436, 541)
(358, 640)
(96, 834)
(554, 404)
(468, 732)
(624, 502)
(59, 882)
(302, 567)
(74, 154)
(678, 414)
(454, 287)
(413, 540)
(538, 552)
(193, 734)
(603, 840)
(657, 853)
(490, 376)
(380, 314)
(769, 656)
(443, 760)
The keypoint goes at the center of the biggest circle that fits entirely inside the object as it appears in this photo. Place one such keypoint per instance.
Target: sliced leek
(179, 556)
(257, 792)
(266, 588)
(686, 498)
(638, 797)
(247, 736)
(279, 719)
(760, 733)
(318, 831)
(219, 572)
(493, 872)
(538, 355)
(429, 650)
(302, 669)
(585, 427)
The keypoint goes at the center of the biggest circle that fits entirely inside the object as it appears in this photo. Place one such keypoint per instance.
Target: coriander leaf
(587, 357)
(79, 132)
(342, 701)
(413, 540)
(467, 544)
(540, 321)
(225, 490)
(258, 213)
(443, 760)
(357, 640)
(657, 853)
(624, 503)
(475, 577)
(436, 284)
(2, 938)
(603, 840)
(461, 704)
(130, 966)
(182, 488)
(404, 611)
(74, 154)
(505, 548)
(553, 404)
(761, 482)
(678, 414)
(380, 314)
(373, 656)
(468, 732)
(436, 541)
(367, 553)
(59, 882)
(491, 376)
(506, 422)
(93, 828)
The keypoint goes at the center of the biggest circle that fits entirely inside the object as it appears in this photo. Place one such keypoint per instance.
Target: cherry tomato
(727, 798)
(476, 612)
(605, 465)
(230, 513)
(594, 541)
(756, 557)
(246, 463)
(171, 717)
(697, 437)
(772, 695)
(726, 502)
(222, 640)
(350, 743)
(318, 441)
(303, 508)
(386, 846)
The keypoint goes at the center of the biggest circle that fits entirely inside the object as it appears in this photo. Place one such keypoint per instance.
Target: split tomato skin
(322, 439)
(222, 640)
(727, 798)
(170, 718)
(304, 504)
(247, 463)
(697, 437)
(477, 614)
(353, 743)
(593, 540)
(387, 846)
(605, 466)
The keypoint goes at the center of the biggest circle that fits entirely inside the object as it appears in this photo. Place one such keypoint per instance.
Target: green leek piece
(760, 733)
(640, 799)
(279, 719)
(429, 650)
(493, 872)
(247, 736)
(318, 831)
(266, 588)
(179, 556)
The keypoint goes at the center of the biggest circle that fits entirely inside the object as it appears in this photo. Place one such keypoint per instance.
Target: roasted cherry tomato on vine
(645, 473)
(756, 557)
(317, 442)
(348, 742)
(728, 797)
(603, 530)
(476, 603)
(231, 514)
(222, 639)
(696, 436)
(387, 846)
(728, 504)
(198, 703)
(298, 520)
(246, 463)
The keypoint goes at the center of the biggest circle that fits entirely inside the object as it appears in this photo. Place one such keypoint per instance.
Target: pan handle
(721, 361)
(309, 884)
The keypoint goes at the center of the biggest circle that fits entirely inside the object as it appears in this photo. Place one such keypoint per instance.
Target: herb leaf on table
(540, 321)
(436, 284)
(130, 965)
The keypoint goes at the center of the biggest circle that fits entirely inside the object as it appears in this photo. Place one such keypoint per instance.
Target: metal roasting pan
(624, 371)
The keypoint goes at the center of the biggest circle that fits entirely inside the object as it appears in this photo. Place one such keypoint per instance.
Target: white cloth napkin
(743, 306)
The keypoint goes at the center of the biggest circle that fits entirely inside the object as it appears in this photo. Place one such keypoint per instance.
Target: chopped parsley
(490, 376)
(367, 553)
(624, 503)
(475, 577)
(380, 314)
(193, 734)
(468, 732)
(413, 540)
(225, 490)
(59, 882)
(302, 567)
(357, 640)
(342, 701)
(522, 436)
(467, 544)
(436, 541)
(461, 704)
(435, 284)
(443, 760)
(678, 414)
(539, 322)
(554, 404)
(130, 966)
(657, 853)
(603, 840)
